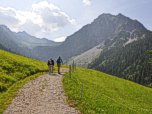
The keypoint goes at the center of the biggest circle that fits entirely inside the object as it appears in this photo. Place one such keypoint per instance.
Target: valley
(112, 58)
(89, 45)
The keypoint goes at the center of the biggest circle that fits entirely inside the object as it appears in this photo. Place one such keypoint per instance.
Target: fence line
(102, 93)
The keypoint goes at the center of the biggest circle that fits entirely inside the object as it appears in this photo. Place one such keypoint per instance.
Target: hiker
(59, 61)
(50, 64)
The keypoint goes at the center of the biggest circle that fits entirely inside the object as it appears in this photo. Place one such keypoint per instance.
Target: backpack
(58, 60)
(51, 62)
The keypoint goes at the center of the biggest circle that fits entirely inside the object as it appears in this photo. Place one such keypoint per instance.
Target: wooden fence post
(81, 90)
(73, 66)
(70, 71)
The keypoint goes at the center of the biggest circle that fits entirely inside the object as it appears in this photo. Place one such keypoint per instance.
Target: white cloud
(44, 17)
(7, 17)
(86, 2)
(52, 17)
(61, 39)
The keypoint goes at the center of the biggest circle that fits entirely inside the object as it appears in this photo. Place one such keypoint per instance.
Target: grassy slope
(15, 71)
(103, 93)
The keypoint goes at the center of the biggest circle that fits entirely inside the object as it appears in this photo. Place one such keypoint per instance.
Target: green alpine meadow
(16, 71)
(106, 94)
(75, 57)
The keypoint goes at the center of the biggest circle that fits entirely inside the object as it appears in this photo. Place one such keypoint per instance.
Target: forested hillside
(128, 61)
(4, 48)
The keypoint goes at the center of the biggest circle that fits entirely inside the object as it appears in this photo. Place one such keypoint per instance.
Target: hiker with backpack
(59, 61)
(50, 64)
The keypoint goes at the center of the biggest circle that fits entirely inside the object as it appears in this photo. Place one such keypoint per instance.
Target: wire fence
(71, 69)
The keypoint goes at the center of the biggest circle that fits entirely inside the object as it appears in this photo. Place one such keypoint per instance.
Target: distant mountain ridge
(26, 40)
(105, 27)
(31, 41)
(7, 40)
(89, 36)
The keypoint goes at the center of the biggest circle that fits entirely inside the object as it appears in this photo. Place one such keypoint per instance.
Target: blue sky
(57, 19)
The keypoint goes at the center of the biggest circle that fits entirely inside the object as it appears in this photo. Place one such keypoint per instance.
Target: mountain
(31, 41)
(89, 36)
(7, 40)
(127, 60)
(21, 43)
(25, 40)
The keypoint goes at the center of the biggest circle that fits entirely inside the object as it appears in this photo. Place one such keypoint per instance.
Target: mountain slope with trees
(129, 61)
(4, 48)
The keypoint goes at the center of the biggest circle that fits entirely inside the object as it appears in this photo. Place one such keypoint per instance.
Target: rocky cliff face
(89, 36)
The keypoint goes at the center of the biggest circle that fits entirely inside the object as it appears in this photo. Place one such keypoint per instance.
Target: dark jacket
(49, 62)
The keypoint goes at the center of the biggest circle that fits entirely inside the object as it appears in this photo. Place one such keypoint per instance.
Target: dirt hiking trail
(43, 95)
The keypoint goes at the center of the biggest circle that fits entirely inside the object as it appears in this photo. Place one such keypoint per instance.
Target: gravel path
(36, 98)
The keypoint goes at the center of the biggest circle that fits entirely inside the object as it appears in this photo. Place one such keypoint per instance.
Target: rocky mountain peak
(4, 27)
(120, 14)
(23, 32)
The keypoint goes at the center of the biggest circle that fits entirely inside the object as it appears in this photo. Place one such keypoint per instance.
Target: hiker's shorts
(50, 68)
(58, 65)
